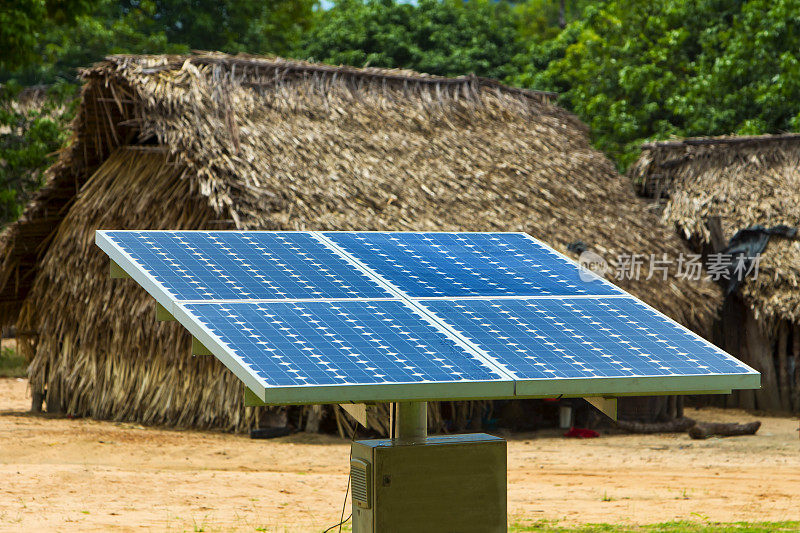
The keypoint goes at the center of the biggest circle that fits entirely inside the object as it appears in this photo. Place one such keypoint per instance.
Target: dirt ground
(64, 475)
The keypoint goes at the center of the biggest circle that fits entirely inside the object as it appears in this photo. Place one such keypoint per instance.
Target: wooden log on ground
(679, 425)
(704, 430)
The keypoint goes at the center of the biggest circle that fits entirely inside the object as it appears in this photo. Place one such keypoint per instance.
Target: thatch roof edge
(739, 182)
(284, 68)
(719, 140)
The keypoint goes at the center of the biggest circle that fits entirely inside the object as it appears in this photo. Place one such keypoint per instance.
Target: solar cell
(586, 339)
(198, 265)
(425, 265)
(344, 343)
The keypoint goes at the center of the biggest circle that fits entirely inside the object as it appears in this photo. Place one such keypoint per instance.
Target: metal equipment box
(443, 484)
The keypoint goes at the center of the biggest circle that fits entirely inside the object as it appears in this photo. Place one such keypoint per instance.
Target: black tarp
(745, 246)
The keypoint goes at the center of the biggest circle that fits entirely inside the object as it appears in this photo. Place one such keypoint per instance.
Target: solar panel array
(307, 317)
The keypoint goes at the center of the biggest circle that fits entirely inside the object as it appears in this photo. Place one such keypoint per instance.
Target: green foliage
(106, 29)
(540, 20)
(632, 70)
(233, 25)
(531, 66)
(23, 21)
(748, 76)
(12, 364)
(158, 27)
(650, 70)
(32, 127)
(444, 37)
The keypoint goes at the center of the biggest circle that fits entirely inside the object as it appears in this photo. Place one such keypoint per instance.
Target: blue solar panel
(425, 265)
(583, 338)
(376, 316)
(339, 343)
(244, 265)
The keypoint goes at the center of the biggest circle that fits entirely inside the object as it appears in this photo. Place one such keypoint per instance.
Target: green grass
(12, 365)
(549, 526)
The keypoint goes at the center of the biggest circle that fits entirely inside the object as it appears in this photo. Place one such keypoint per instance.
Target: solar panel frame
(510, 387)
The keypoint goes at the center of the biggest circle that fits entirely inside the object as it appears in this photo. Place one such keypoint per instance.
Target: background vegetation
(33, 125)
(12, 364)
(633, 70)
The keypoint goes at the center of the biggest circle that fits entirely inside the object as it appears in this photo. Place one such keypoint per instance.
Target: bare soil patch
(68, 475)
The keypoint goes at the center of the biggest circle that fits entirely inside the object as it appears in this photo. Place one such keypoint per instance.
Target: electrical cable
(342, 519)
(339, 525)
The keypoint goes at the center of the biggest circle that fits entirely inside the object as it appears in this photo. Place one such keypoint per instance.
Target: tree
(157, 27)
(33, 125)
(46, 40)
(747, 80)
(23, 22)
(233, 25)
(447, 37)
(109, 28)
(639, 70)
(542, 20)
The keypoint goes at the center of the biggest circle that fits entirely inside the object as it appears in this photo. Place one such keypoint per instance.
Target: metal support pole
(412, 420)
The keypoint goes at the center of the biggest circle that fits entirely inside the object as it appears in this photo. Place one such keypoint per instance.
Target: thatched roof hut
(210, 141)
(708, 189)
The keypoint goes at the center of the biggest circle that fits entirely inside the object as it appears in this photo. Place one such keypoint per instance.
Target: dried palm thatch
(215, 141)
(92, 354)
(741, 181)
